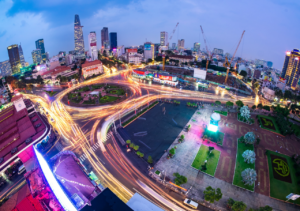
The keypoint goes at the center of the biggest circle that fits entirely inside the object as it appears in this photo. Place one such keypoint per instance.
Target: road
(86, 132)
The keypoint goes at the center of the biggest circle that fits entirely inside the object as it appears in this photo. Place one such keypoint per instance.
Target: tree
(58, 77)
(243, 73)
(150, 159)
(245, 112)
(256, 87)
(253, 107)
(128, 142)
(260, 106)
(249, 156)
(239, 103)
(211, 195)
(10, 79)
(249, 138)
(136, 147)
(218, 103)
(172, 151)
(149, 60)
(278, 93)
(288, 94)
(131, 145)
(179, 180)
(267, 108)
(239, 206)
(249, 176)
(40, 79)
(229, 104)
(265, 208)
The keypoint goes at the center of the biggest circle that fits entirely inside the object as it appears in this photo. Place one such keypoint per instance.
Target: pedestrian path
(94, 148)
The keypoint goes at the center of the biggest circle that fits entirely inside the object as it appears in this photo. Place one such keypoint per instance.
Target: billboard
(282, 80)
(139, 72)
(41, 67)
(131, 50)
(93, 44)
(163, 77)
(147, 47)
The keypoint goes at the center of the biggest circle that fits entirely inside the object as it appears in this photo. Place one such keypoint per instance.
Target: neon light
(55, 187)
(212, 128)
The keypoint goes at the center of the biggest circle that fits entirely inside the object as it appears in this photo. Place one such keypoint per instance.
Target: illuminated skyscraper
(37, 56)
(5, 68)
(78, 35)
(21, 56)
(291, 68)
(39, 44)
(93, 46)
(164, 39)
(14, 58)
(113, 40)
(196, 46)
(104, 38)
(180, 45)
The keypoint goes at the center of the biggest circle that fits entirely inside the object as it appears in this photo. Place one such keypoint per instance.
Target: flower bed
(268, 123)
(224, 113)
(51, 93)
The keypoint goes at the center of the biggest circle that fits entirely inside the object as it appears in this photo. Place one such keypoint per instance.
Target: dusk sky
(272, 27)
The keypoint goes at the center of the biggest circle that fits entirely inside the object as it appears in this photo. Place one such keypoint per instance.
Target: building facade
(14, 58)
(291, 68)
(104, 38)
(22, 60)
(182, 59)
(39, 44)
(173, 46)
(92, 68)
(113, 40)
(164, 39)
(78, 35)
(218, 51)
(196, 46)
(180, 45)
(148, 50)
(37, 56)
(5, 68)
(93, 46)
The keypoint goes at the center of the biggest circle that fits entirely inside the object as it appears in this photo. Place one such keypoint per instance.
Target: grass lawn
(50, 93)
(107, 99)
(111, 86)
(117, 92)
(75, 100)
(242, 119)
(216, 137)
(96, 87)
(84, 89)
(240, 166)
(212, 161)
(90, 102)
(268, 123)
(278, 188)
(224, 113)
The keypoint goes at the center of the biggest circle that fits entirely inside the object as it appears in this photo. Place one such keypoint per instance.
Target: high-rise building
(14, 58)
(78, 35)
(113, 40)
(291, 68)
(104, 38)
(37, 56)
(218, 51)
(196, 46)
(5, 68)
(173, 45)
(39, 44)
(164, 39)
(148, 50)
(93, 46)
(22, 60)
(180, 45)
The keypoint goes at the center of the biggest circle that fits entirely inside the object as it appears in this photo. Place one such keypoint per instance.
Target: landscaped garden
(283, 175)
(216, 137)
(224, 113)
(96, 94)
(244, 115)
(268, 123)
(211, 156)
(51, 93)
(244, 173)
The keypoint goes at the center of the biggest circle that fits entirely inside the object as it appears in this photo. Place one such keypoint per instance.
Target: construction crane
(209, 55)
(229, 64)
(173, 33)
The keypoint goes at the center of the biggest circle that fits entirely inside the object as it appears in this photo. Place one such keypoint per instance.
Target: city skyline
(263, 39)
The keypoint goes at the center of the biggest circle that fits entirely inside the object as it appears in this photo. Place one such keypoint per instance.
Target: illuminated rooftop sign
(63, 199)
(212, 128)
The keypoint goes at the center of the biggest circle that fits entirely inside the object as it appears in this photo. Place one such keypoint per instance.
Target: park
(204, 148)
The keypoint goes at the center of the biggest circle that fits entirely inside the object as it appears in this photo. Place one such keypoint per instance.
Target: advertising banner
(139, 72)
(147, 47)
(93, 44)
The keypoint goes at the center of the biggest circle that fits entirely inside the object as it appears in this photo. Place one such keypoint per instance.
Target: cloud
(271, 26)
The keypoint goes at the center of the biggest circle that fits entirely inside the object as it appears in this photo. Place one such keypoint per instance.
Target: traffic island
(241, 165)
(283, 176)
(211, 156)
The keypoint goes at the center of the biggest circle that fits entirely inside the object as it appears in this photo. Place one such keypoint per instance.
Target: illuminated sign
(212, 128)
(147, 47)
(95, 68)
(41, 67)
(130, 50)
(139, 72)
(63, 199)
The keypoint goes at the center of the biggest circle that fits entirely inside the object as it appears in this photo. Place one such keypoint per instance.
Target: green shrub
(128, 142)
(136, 147)
(179, 180)
(150, 159)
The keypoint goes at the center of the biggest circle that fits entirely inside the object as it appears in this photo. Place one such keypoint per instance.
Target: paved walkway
(186, 151)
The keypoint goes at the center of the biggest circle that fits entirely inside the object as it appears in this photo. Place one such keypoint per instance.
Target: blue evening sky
(271, 26)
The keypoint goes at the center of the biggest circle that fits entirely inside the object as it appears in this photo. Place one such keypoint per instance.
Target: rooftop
(181, 57)
(56, 70)
(87, 63)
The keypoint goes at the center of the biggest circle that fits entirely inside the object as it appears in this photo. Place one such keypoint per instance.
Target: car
(190, 203)
(21, 169)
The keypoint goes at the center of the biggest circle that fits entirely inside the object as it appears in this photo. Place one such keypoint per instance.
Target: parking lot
(156, 130)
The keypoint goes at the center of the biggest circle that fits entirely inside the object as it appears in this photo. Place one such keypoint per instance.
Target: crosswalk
(94, 148)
